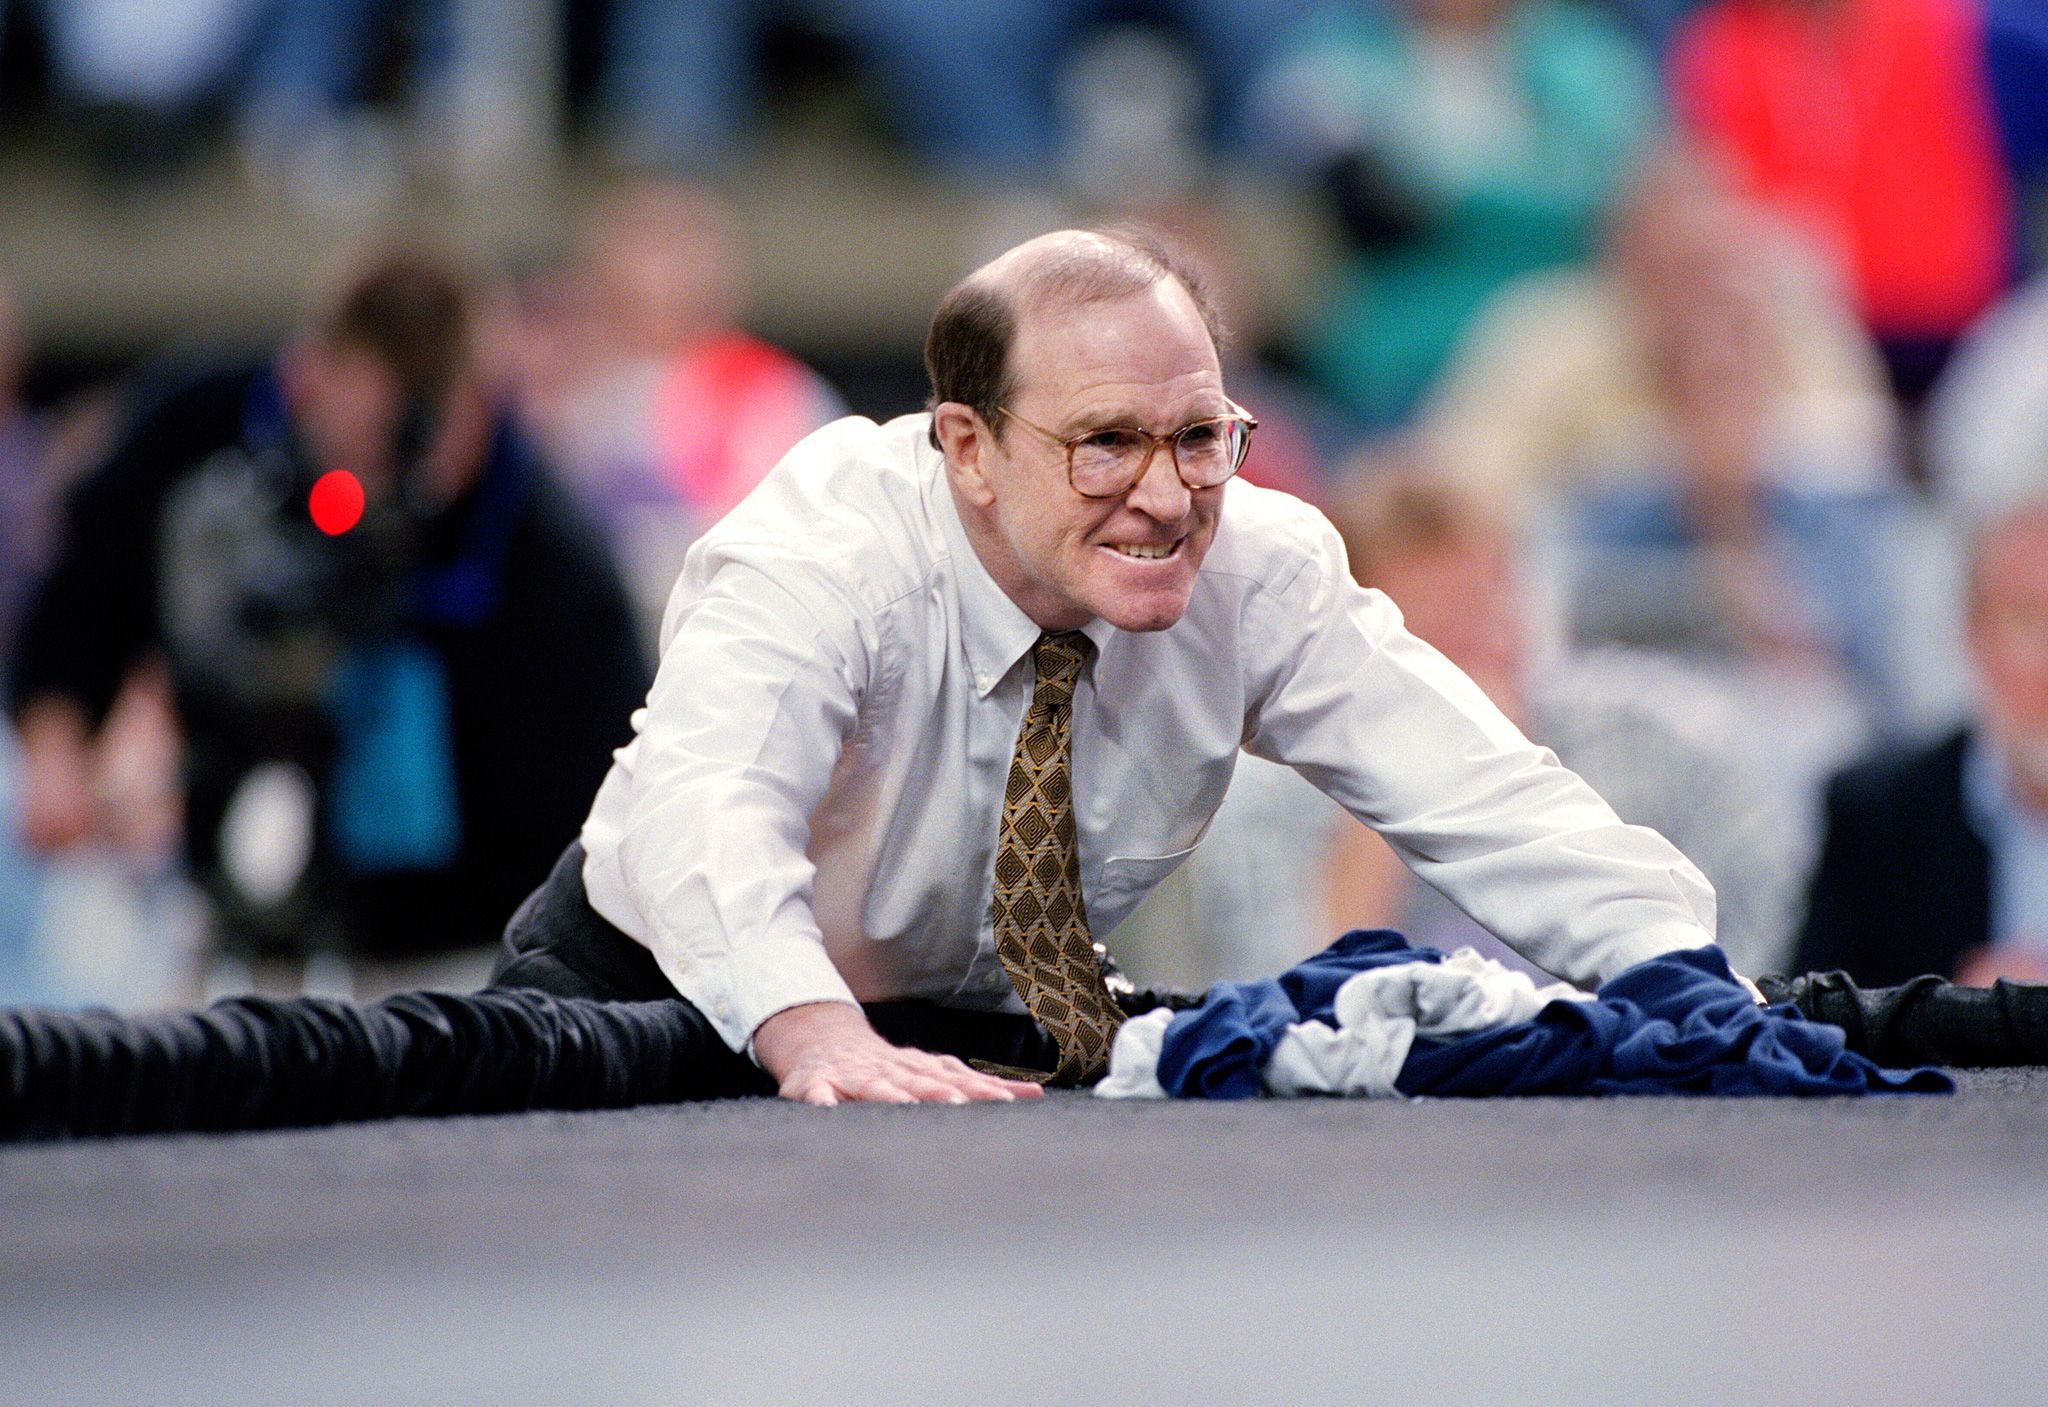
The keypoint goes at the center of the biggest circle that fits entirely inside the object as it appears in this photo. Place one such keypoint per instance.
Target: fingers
(972, 1084)
(902, 1076)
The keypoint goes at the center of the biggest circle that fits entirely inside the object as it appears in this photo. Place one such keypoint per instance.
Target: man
(812, 816)
(423, 692)
(938, 699)
(1936, 858)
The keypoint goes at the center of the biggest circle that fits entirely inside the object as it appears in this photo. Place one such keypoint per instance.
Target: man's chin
(1156, 611)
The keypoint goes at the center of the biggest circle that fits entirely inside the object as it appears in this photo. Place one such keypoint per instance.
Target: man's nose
(1159, 492)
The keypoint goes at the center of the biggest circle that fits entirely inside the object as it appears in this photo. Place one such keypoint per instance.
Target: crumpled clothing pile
(1371, 1016)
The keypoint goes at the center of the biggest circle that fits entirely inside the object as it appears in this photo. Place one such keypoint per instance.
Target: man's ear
(964, 439)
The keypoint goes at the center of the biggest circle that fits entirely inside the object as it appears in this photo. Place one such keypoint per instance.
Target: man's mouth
(1146, 551)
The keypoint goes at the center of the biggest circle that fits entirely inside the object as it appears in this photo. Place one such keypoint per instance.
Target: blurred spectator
(395, 707)
(104, 924)
(1936, 858)
(1461, 143)
(1281, 868)
(25, 513)
(661, 411)
(968, 83)
(139, 75)
(2016, 63)
(487, 79)
(1710, 429)
(1986, 424)
(27, 493)
(983, 90)
(1891, 132)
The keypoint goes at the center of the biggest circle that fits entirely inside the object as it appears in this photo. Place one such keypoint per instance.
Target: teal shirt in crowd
(1507, 178)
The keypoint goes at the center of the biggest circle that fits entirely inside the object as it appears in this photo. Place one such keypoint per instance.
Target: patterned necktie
(1040, 926)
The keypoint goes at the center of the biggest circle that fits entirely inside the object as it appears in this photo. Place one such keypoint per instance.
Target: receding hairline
(1068, 268)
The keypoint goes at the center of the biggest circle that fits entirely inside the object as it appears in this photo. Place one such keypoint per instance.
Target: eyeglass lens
(1206, 453)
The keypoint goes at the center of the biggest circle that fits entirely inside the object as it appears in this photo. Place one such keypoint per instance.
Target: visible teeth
(1138, 549)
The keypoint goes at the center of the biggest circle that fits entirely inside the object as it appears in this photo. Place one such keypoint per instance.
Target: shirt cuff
(1641, 946)
(739, 991)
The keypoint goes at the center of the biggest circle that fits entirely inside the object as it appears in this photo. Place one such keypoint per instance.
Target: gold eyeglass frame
(1152, 448)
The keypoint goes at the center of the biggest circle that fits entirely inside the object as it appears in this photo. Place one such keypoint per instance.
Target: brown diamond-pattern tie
(1041, 928)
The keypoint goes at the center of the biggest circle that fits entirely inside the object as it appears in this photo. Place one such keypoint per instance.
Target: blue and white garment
(1370, 1015)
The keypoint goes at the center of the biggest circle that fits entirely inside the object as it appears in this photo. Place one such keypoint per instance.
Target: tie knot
(1058, 657)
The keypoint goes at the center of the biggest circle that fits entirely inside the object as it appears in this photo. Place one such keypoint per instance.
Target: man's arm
(757, 694)
(1398, 736)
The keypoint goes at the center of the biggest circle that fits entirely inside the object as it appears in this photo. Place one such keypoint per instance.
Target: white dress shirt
(808, 810)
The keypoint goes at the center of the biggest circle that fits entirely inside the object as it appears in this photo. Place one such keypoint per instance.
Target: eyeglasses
(1108, 463)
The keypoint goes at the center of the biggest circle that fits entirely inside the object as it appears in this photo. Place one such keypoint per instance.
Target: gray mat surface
(1625, 1251)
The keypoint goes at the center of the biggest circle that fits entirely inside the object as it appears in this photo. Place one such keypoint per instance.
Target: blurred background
(1679, 366)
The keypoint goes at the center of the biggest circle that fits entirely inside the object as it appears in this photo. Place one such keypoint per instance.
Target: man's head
(386, 376)
(2008, 632)
(1074, 332)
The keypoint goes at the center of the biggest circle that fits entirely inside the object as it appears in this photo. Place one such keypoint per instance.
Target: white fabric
(1134, 1058)
(808, 810)
(1380, 1014)
(1383, 1011)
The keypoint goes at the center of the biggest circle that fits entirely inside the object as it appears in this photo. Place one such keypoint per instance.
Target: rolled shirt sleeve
(750, 711)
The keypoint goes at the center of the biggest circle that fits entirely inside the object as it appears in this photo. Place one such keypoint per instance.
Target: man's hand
(826, 1053)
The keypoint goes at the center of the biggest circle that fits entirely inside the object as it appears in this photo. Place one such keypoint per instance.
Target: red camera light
(336, 502)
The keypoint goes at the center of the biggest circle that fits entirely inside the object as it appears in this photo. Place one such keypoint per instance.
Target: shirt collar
(994, 631)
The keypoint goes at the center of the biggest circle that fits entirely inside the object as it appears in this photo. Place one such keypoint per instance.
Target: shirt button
(995, 980)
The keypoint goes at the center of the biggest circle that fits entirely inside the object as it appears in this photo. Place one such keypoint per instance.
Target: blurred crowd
(1678, 366)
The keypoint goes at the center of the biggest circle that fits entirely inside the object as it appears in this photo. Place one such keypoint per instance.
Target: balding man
(1936, 855)
(945, 697)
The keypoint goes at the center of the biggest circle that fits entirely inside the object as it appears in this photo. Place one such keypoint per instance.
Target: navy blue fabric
(1677, 1024)
(1218, 1050)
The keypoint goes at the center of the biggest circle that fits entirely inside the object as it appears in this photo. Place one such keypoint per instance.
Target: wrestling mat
(1883, 1250)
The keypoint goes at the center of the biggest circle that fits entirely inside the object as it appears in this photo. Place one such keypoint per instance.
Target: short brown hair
(413, 309)
(967, 350)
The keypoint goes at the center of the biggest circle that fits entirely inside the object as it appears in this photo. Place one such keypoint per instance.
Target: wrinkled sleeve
(757, 694)
(1402, 739)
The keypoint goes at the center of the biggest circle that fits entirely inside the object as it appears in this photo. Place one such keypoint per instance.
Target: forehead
(1146, 354)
